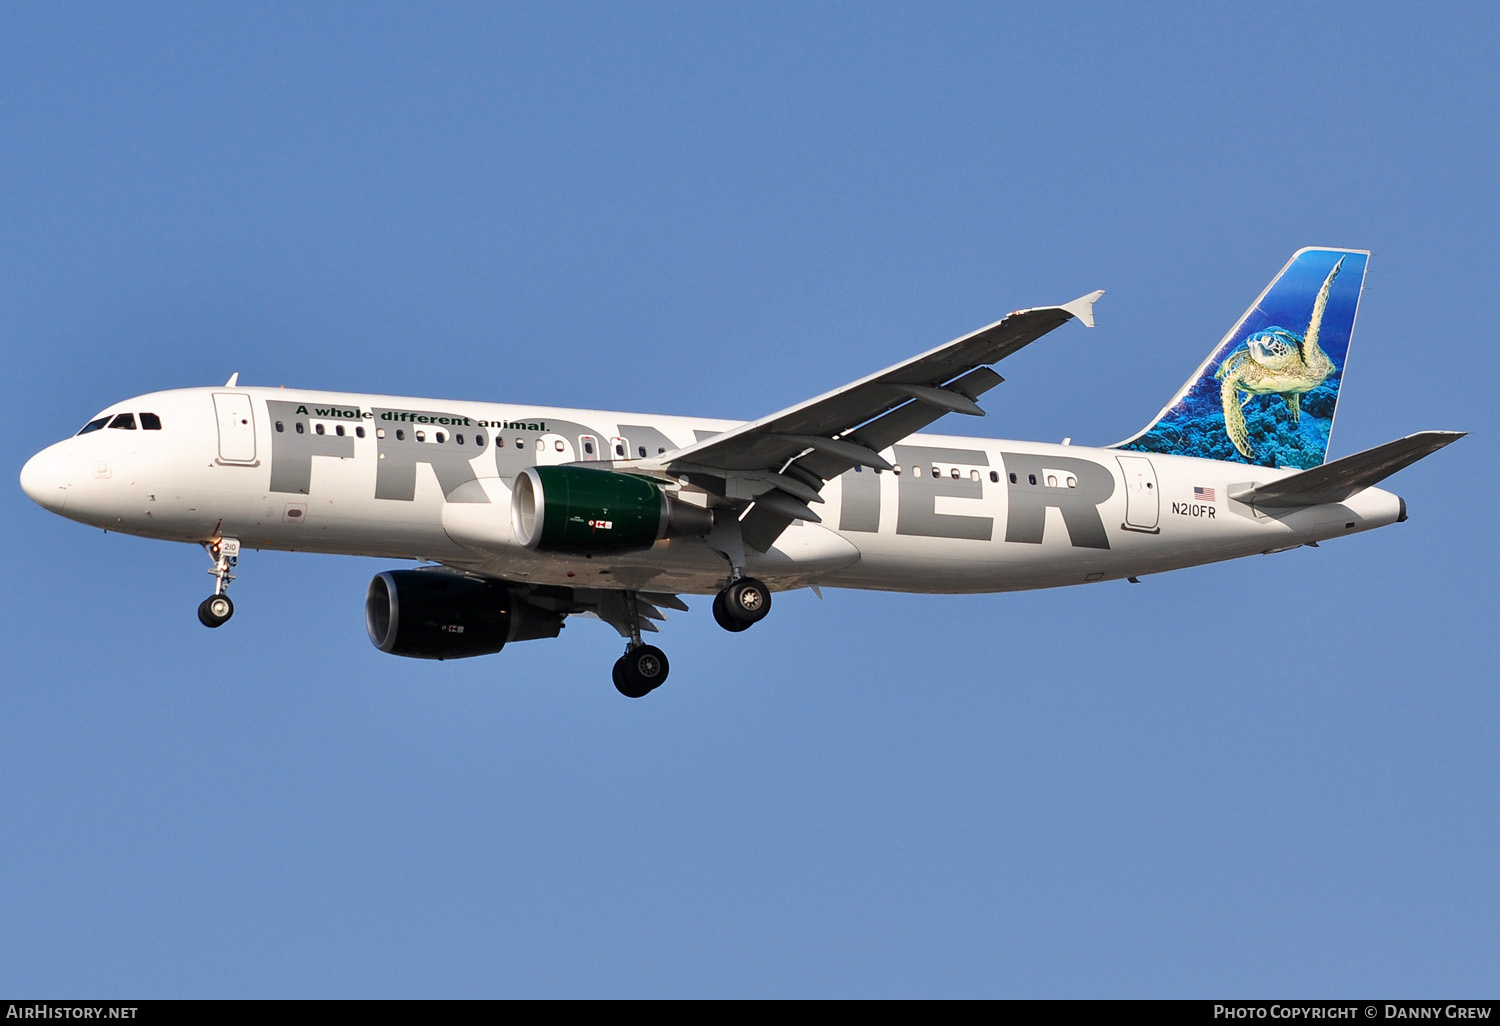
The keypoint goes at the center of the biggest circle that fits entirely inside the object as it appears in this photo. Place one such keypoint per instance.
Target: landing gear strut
(741, 605)
(744, 601)
(216, 610)
(643, 668)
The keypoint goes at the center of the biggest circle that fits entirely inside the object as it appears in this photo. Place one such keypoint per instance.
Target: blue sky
(1271, 777)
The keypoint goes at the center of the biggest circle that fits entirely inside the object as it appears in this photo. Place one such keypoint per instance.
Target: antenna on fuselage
(234, 379)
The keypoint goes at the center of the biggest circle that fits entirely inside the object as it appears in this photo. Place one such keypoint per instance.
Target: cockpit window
(150, 422)
(93, 425)
(124, 420)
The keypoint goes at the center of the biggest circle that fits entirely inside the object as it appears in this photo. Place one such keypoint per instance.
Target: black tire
(215, 611)
(622, 685)
(747, 600)
(724, 620)
(643, 669)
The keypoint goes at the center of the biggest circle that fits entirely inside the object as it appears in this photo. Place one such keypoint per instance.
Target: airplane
(524, 515)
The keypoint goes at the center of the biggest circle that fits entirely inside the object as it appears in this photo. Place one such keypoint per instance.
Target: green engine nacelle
(582, 511)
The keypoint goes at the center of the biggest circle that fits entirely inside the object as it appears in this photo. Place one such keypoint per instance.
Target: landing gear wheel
(746, 600)
(215, 611)
(640, 671)
(724, 620)
(621, 685)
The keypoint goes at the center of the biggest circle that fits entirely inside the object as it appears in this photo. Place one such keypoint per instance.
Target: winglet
(1083, 307)
(234, 379)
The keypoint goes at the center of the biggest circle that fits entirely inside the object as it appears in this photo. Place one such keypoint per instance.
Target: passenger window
(541, 445)
(955, 474)
(1031, 478)
(280, 427)
(339, 430)
(400, 434)
(896, 470)
(125, 421)
(588, 447)
(916, 470)
(994, 477)
(479, 440)
(318, 428)
(1012, 479)
(936, 472)
(619, 450)
(558, 445)
(421, 436)
(1051, 480)
(641, 449)
(301, 428)
(973, 475)
(360, 431)
(660, 449)
(380, 432)
(93, 425)
(440, 436)
(520, 443)
(1072, 481)
(459, 439)
(150, 422)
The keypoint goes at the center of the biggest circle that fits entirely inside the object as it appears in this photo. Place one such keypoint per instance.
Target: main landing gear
(643, 668)
(742, 605)
(640, 671)
(216, 610)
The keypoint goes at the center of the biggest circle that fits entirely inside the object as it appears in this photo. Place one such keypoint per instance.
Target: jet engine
(433, 614)
(580, 511)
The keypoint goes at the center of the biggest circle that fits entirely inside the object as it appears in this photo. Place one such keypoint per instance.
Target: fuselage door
(236, 427)
(1142, 506)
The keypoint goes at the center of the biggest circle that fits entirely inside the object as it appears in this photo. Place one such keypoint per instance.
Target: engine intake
(581, 511)
(433, 614)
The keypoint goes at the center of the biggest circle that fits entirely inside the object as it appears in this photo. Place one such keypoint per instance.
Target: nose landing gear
(216, 610)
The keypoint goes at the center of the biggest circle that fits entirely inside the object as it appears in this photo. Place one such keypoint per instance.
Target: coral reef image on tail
(1267, 394)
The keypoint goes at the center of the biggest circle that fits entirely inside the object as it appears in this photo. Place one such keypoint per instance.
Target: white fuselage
(431, 479)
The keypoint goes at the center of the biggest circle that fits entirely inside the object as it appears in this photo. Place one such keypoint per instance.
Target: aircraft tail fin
(1336, 481)
(1266, 395)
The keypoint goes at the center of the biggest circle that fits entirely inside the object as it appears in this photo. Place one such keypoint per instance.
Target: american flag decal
(1203, 494)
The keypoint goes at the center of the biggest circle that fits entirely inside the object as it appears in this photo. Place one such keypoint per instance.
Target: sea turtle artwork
(1267, 393)
(1274, 361)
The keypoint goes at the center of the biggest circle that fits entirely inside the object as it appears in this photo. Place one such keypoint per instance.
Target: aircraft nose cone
(45, 479)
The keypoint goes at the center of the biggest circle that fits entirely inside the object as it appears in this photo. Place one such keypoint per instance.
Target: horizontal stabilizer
(1336, 481)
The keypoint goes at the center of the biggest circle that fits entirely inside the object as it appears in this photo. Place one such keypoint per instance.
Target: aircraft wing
(779, 463)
